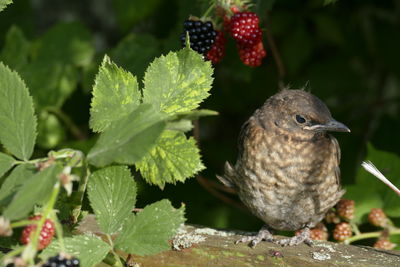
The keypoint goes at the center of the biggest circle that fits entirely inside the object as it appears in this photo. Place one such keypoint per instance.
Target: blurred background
(346, 53)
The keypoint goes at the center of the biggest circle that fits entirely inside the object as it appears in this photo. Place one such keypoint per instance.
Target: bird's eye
(300, 119)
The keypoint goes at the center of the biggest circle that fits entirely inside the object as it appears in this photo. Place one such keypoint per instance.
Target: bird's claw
(263, 234)
(303, 237)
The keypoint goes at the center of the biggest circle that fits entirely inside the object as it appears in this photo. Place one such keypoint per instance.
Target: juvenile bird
(287, 171)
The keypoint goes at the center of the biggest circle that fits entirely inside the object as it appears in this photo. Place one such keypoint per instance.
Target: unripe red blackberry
(217, 51)
(46, 234)
(345, 209)
(377, 217)
(201, 35)
(342, 231)
(245, 29)
(384, 244)
(252, 55)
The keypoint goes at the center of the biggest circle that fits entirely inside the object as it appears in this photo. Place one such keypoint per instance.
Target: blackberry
(61, 261)
(202, 35)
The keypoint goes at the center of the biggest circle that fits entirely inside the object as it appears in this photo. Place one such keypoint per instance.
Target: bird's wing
(336, 157)
(228, 178)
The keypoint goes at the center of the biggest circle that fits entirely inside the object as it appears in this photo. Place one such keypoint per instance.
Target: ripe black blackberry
(61, 260)
(201, 34)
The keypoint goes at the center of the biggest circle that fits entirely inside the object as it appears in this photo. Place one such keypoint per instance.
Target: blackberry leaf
(115, 94)
(149, 231)
(90, 250)
(112, 195)
(174, 158)
(17, 118)
(177, 82)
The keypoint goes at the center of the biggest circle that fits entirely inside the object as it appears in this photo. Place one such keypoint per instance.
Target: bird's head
(301, 112)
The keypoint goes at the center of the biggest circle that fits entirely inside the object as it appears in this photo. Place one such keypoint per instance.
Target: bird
(287, 169)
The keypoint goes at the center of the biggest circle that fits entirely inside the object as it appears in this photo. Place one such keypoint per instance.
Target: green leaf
(183, 121)
(389, 164)
(149, 231)
(14, 181)
(174, 158)
(112, 195)
(6, 162)
(67, 43)
(178, 82)
(115, 95)
(17, 119)
(135, 52)
(4, 3)
(90, 250)
(50, 82)
(128, 139)
(36, 189)
(16, 49)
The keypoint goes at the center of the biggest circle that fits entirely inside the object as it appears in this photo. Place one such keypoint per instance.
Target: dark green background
(347, 53)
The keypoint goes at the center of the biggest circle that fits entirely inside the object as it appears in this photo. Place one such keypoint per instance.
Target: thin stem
(116, 256)
(22, 223)
(369, 235)
(81, 191)
(208, 11)
(12, 253)
(76, 132)
(355, 228)
(59, 232)
(275, 53)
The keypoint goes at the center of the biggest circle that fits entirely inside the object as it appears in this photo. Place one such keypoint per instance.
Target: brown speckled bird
(287, 172)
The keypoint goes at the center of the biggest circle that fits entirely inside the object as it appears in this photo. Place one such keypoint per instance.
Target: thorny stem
(212, 188)
(275, 53)
(369, 235)
(210, 8)
(76, 132)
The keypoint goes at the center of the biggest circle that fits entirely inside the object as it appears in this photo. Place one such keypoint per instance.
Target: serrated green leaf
(90, 250)
(112, 195)
(35, 190)
(127, 140)
(17, 119)
(389, 164)
(16, 49)
(4, 3)
(174, 158)
(177, 82)
(6, 162)
(14, 181)
(115, 95)
(149, 231)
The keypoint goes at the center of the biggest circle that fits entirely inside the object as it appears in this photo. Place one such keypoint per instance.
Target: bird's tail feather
(228, 178)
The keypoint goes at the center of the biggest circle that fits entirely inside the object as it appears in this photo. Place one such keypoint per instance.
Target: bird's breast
(287, 181)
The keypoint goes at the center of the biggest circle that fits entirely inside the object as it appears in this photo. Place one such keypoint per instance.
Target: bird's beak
(331, 126)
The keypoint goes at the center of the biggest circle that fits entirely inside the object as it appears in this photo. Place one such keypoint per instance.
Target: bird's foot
(303, 237)
(263, 234)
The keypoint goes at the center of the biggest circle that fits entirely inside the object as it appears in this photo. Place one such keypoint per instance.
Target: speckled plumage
(287, 173)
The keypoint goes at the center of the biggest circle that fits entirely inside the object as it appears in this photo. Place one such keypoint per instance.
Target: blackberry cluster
(61, 261)
(202, 35)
